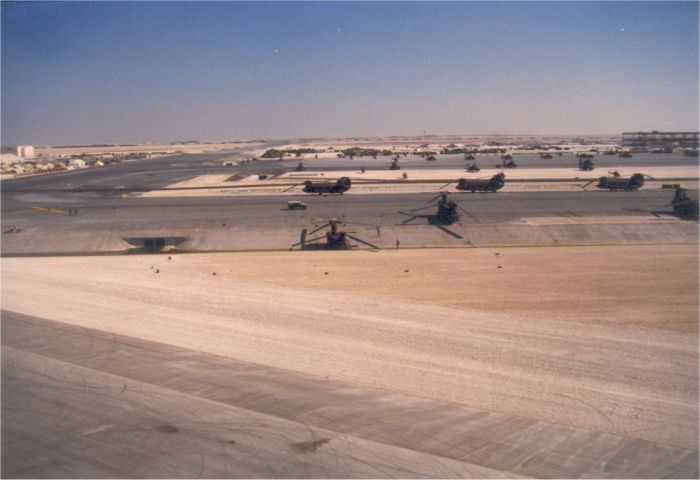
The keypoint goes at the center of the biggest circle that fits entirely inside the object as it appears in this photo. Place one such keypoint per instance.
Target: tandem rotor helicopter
(340, 186)
(614, 182)
(335, 239)
(447, 214)
(492, 184)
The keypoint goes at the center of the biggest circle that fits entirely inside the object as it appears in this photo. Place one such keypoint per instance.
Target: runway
(265, 222)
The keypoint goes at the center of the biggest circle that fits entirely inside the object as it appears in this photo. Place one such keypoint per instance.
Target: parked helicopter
(614, 183)
(493, 184)
(684, 206)
(395, 164)
(334, 239)
(447, 214)
(341, 185)
(507, 162)
(585, 165)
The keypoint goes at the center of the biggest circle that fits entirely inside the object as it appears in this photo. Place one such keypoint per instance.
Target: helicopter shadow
(432, 220)
(656, 213)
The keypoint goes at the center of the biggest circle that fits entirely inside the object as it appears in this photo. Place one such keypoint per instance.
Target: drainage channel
(153, 244)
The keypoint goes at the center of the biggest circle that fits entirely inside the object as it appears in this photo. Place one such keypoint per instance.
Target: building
(25, 151)
(22, 151)
(667, 141)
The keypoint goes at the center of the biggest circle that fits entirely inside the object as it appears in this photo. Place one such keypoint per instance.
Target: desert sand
(598, 338)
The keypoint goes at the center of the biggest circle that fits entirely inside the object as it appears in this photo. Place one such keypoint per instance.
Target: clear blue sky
(127, 72)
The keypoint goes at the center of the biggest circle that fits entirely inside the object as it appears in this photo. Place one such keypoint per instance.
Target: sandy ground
(600, 338)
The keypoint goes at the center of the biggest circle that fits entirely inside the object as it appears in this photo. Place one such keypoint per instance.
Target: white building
(24, 151)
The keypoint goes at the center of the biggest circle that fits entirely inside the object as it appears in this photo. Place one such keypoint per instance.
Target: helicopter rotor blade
(434, 198)
(319, 228)
(363, 224)
(309, 240)
(447, 230)
(587, 183)
(302, 238)
(362, 241)
(410, 219)
(315, 239)
(292, 187)
(448, 183)
(469, 214)
(421, 208)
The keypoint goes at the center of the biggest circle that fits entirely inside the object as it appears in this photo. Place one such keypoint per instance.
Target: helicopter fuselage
(341, 186)
(613, 183)
(494, 184)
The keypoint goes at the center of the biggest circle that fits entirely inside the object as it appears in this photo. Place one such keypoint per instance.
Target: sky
(110, 72)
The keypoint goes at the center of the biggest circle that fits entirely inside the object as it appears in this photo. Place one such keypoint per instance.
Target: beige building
(24, 151)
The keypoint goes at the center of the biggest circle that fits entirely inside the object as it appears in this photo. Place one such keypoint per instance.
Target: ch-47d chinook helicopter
(492, 184)
(335, 238)
(615, 182)
(341, 185)
(447, 214)
(684, 206)
(585, 164)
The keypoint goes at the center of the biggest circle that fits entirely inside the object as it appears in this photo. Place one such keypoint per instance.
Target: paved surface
(221, 223)
(78, 402)
(215, 223)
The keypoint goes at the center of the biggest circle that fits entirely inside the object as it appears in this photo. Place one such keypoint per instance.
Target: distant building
(24, 151)
(667, 141)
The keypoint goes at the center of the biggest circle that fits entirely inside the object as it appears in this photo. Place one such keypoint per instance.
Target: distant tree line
(450, 150)
(275, 153)
(365, 152)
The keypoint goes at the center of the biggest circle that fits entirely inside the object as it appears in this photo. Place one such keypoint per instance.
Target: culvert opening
(153, 244)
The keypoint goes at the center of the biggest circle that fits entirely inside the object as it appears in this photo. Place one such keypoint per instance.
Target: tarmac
(260, 222)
